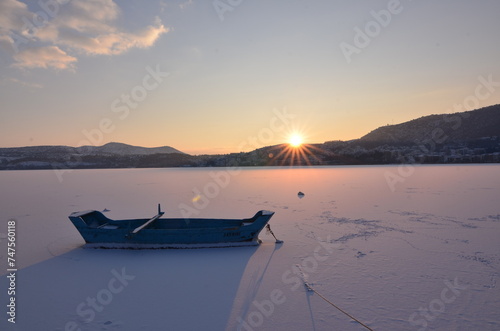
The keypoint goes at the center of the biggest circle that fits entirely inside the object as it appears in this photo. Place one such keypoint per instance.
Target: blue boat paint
(99, 230)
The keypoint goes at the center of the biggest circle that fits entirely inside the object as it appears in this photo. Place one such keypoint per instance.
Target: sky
(226, 76)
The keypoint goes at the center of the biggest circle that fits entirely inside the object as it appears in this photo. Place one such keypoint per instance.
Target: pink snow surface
(399, 248)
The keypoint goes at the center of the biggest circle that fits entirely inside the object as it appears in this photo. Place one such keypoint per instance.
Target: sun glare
(295, 140)
(296, 150)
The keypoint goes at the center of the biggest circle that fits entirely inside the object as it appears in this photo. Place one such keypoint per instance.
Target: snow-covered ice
(399, 248)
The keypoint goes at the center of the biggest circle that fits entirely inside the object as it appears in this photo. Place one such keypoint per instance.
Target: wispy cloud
(185, 4)
(55, 38)
(21, 82)
(44, 57)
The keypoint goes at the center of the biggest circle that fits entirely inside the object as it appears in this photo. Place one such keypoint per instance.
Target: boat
(100, 231)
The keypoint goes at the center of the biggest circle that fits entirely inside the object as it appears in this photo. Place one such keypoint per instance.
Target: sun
(295, 140)
(296, 151)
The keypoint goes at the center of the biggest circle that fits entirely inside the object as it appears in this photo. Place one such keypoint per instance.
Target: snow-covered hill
(109, 148)
(111, 155)
(124, 149)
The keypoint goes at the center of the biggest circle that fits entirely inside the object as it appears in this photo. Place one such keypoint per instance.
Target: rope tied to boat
(310, 288)
(268, 229)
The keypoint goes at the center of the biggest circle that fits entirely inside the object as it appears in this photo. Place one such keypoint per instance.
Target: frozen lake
(397, 247)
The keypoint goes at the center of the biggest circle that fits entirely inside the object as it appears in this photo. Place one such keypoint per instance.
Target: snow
(418, 253)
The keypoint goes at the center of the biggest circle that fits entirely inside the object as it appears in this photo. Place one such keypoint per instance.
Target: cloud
(13, 27)
(10, 12)
(22, 82)
(44, 57)
(112, 42)
(76, 27)
(185, 4)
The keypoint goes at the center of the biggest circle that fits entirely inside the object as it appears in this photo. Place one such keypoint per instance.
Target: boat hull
(99, 231)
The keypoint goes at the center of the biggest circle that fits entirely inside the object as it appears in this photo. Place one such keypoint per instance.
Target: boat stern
(257, 223)
(87, 221)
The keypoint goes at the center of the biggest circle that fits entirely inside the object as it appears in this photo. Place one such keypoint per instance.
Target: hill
(464, 126)
(111, 155)
(466, 137)
(124, 149)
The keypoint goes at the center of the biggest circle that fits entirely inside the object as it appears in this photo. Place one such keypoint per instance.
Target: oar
(160, 213)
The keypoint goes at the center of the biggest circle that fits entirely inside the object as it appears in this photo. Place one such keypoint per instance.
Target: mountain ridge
(125, 149)
(473, 124)
(465, 137)
(109, 148)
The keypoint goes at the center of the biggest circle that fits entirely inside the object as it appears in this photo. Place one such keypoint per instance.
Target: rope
(322, 297)
(268, 227)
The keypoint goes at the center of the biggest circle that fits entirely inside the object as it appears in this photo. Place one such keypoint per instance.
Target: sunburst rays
(297, 155)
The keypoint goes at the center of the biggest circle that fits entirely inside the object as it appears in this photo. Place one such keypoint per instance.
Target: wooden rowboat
(99, 231)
